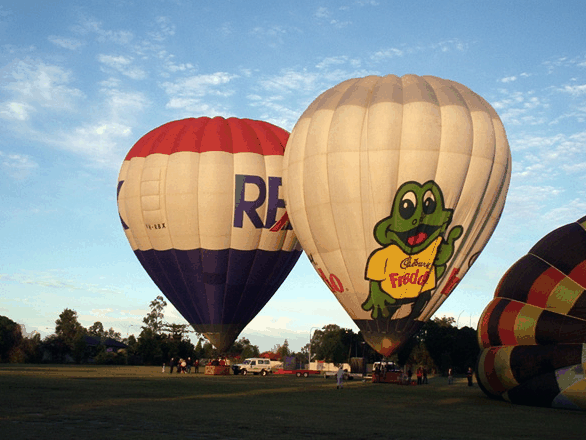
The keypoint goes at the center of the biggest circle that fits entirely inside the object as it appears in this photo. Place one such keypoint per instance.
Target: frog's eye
(408, 205)
(429, 202)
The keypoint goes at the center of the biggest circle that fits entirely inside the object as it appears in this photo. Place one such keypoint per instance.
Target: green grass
(99, 402)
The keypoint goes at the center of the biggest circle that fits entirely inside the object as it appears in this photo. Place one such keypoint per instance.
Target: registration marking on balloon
(333, 282)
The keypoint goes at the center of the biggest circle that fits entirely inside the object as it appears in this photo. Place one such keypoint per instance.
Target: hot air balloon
(201, 205)
(533, 332)
(393, 186)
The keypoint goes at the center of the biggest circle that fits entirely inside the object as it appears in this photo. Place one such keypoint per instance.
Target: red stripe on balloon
(578, 274)
(201, 135)
(490, 372)
(508, 321)
(543, 286)
(483, 324)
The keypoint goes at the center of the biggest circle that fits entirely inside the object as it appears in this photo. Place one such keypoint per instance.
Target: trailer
(298, 372)
(347, 375)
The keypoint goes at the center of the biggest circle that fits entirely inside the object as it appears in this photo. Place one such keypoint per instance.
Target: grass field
(98, 402)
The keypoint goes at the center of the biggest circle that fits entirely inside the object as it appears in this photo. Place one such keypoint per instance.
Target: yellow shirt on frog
(402, 275)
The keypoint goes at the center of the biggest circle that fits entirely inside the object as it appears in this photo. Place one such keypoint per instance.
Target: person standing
(469, 374)
(425, 375)
(409, 376)
(171, 365)
(450, 376)
(419, 376)
(340, 378)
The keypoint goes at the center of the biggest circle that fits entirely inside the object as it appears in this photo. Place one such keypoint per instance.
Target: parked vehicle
(253, 366)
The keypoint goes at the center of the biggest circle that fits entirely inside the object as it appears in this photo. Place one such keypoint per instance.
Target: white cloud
(521, 108)
(337, 61)
(322, 12)
(66, 43)
(17, 166)
(89, 26)
(98, 140)
(272, 35)
(165, 29)
(290, 80)
(35, 84)
(187, 93)
(386, 54)
(200, 85)
(449, 45)
(122, 64)
(508, 79)
(15, 110)
(575, 90)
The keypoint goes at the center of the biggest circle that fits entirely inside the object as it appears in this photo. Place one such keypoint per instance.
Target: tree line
(439, 345)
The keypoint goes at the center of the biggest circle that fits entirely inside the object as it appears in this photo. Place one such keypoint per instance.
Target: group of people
(421, 375)
(219, 362)
(469, 376)
(182, 365)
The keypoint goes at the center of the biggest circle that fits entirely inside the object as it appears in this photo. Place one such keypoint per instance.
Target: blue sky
(82, 81)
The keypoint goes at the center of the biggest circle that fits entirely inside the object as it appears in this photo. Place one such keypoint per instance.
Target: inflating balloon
(534, 331)
(200, 203)
(394, 185)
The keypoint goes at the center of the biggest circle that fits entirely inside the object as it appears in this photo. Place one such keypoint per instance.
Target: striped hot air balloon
(394, 186)
(201, 205)
(533, 333)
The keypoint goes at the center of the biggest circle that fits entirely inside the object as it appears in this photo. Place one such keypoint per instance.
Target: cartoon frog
(414, 253)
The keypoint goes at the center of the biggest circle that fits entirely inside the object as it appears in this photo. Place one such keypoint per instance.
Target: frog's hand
(455, 233)
(377, 301)
(446, 248)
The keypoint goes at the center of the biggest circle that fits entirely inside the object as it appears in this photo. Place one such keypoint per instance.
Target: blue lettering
(241, 205)
(274, 201)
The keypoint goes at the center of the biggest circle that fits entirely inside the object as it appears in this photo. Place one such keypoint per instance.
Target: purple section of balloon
(218, 287)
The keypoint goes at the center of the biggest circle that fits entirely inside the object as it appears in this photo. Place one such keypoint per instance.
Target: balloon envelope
(533, 333)
(200, 203)
(394, 185)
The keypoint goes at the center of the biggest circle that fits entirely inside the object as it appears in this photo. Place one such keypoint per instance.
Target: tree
(67, 327)
(149, 347)
(96, 330)
(332, 343)
(154, 319)
(31, 348)
(283, 351)
(241, 348)
(176, 331)
(10, 338)
(113, 334)
(56, 347)
(441, 344)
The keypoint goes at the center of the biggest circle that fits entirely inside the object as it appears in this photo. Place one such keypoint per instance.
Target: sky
(82, 81)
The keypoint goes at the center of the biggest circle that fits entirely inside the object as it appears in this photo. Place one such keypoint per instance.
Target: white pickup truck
(253, 366)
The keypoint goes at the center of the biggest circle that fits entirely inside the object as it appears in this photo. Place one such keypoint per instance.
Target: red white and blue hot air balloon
(201, 205)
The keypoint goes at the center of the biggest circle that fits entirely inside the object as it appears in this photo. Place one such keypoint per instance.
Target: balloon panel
(533, 332)
(394, 185)
(200, 202)
(538, 375)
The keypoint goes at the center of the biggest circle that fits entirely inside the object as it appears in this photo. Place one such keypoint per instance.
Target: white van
(253, 365)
